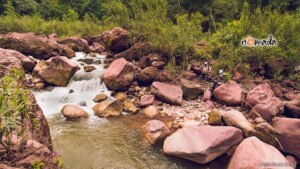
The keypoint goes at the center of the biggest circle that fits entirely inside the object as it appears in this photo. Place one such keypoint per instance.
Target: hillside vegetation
(173, 26)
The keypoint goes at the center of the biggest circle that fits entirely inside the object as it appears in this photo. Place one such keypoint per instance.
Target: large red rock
(154, 131)
(260, 94)
(230, 93)
(117, 39)
(202, 144)
(136, 51)
(12, 58)
(40, 47)
(252, 153)
(75, 43)
(270, 109)
(293, 106)
(119, 74)
(166, 92)
(191, 90)
(73, 112)
(288, 134)
(57, 70)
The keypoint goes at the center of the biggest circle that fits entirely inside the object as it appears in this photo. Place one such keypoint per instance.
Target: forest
(173, 26)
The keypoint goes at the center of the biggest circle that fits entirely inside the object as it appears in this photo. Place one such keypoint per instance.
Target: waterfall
(85, 86)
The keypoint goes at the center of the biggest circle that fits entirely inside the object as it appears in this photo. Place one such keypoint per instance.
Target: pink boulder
(230, 93)
(259, 94)
(202, 144)
(271, 108)
(288, 134)
(119, 74)
(253, 154)
(166, 92)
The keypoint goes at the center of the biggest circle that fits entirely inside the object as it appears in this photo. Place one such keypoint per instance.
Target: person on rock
(221, 76)
(205, 70)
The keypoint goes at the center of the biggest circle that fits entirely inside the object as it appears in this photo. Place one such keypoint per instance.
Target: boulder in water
(89, 68)
(119, 74)
(100, 98)
(202, 144)
(57, 70)
(73, 112)
(154, 131)
(108, 109)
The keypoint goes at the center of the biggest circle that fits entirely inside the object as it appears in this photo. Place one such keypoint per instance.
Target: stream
(98, 143)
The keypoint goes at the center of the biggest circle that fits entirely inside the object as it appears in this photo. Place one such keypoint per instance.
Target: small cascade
(83, 87)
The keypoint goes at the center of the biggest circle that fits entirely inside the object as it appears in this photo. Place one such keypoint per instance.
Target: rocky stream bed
(111, 103)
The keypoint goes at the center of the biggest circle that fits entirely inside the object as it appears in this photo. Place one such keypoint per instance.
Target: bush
(14, 103)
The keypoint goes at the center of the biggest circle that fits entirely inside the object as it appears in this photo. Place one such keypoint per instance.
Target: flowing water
(98, 143)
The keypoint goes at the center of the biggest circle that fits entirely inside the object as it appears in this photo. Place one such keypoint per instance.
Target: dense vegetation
(171, 25)
(14, 107)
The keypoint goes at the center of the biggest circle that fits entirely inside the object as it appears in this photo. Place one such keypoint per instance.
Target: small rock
(73, 112)
(121, 96)
(87, 61)
(150, 111)
(215, 117)
(83, 103)
(147, 100)
(89, 68)
(129, 107)
(100, 98)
